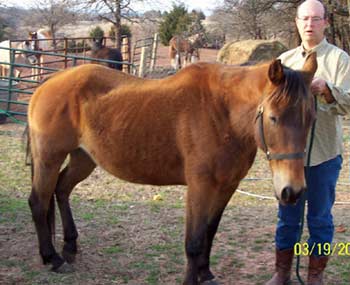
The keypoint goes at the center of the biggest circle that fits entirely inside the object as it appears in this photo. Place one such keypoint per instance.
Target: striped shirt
(334, 67)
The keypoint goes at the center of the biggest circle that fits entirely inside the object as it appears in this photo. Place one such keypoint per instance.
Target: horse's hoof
(210, 282)
(68, 256)
(64, 268)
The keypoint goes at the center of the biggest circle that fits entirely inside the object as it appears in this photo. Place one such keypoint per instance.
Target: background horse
(200, 127)
(20, 57)
(98, 50)
(40, 40)
(188, 47)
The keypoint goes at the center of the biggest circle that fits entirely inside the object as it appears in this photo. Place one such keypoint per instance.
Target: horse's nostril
(286, 193)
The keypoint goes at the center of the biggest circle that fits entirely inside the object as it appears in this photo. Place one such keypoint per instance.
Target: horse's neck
(96, 47)
(42, 36)
(243, 84)
(242, 92)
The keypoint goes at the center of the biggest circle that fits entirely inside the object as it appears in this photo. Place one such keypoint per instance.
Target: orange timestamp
(328, 249)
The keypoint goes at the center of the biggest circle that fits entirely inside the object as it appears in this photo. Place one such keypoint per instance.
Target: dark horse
(200, 127)
(99, 51)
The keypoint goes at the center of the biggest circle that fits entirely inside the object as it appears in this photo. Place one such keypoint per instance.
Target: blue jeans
(321, 182)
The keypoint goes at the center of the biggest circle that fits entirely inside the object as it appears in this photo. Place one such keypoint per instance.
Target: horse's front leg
(217, 202)
(206, 201)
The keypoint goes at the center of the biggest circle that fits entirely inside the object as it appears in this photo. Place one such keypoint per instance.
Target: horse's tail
(51, 221)
(28, 155)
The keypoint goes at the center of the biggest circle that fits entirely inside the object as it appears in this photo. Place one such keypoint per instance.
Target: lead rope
(303, 197)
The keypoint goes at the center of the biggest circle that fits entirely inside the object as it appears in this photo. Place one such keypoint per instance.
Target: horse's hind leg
(79, 167)
(45, 175)
(205, 205)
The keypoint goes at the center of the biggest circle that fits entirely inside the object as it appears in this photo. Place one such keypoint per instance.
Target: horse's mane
(293, 85)
(292, 92)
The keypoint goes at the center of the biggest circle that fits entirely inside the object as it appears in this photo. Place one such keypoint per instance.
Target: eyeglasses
(313, 19)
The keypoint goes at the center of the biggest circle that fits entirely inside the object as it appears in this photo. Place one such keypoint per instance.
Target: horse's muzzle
(32, 59)
(289, 196)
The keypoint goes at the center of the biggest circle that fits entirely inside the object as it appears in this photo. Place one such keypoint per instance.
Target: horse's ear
(276, 74)
(310, 67)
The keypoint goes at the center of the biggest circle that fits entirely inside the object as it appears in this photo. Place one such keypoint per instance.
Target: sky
(164, 5)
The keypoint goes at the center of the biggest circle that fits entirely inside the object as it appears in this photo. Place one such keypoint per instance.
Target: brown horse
(100, 51)
(200, 127)
(179, 46)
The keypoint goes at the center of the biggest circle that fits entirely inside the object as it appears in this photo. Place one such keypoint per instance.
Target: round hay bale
(250, 51)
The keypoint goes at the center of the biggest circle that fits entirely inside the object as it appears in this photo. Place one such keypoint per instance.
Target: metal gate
(16, 89)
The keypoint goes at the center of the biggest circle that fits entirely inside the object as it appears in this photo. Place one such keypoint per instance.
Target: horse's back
(5, 44)
(58, 100)
(4, 53)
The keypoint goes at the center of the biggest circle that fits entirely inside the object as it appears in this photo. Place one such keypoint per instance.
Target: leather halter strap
(269, 155)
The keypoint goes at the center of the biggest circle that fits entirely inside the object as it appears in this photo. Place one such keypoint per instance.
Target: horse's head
(33, 40)
(27, 45)
(97, 43)
(283, 121)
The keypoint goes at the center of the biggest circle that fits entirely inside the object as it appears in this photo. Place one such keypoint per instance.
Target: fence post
(126, 54)
(143, 61)
(84, 50)
(11, 76)
(65, 51)
(154, 52)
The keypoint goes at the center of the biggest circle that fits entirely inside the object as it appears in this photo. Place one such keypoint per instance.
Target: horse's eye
(273, 119)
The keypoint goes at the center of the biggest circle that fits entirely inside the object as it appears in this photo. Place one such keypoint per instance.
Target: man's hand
(320, 89)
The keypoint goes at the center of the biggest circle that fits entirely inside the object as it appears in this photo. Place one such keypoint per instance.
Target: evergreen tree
(176, 22)
(96, 33)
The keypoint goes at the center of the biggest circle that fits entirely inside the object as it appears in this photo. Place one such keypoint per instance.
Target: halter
(274, 156)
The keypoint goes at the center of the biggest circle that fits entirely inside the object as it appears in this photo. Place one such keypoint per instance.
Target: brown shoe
(284, 260)
(317, 264)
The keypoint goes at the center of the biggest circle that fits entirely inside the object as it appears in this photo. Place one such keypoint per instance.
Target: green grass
(112, 250)
(11, 208)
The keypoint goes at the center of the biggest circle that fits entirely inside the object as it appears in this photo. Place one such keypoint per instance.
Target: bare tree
(52, 13)
(339, 34)
(255, 19)
(112, 11)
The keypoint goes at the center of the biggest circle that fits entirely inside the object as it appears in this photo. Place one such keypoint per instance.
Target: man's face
(311, 23)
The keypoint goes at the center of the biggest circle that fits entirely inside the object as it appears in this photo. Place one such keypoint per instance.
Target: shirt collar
(318, 49)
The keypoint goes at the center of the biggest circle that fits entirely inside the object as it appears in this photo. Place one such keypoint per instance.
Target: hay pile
(250, 50)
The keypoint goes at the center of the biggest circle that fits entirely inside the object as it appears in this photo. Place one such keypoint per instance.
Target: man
(331, 87)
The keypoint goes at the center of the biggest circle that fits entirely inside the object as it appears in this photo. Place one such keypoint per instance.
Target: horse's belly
(138, 166)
